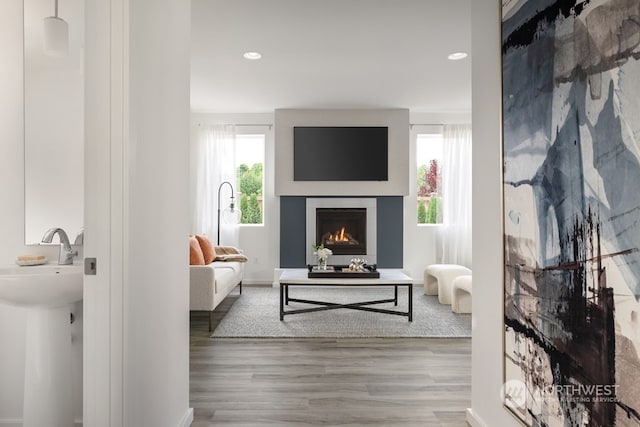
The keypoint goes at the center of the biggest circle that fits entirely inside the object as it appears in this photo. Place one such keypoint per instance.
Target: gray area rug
(255, 314)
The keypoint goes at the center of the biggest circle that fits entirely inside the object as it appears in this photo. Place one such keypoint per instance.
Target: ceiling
(330, 54)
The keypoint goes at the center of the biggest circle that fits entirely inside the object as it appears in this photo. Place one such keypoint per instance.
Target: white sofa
(211, 283)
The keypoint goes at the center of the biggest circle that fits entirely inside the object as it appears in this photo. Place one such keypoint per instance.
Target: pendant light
(56, 34)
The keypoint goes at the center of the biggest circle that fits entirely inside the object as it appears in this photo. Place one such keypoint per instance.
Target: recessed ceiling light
(457, 56)
(252, 55)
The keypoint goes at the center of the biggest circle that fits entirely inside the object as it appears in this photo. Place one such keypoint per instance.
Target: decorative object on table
(342, 272)
(231, 214)
(357, 264)
(571, 97)
(322, 254)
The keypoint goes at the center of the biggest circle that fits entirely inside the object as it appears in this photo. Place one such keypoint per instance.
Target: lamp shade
(56, 35)
(231, 215)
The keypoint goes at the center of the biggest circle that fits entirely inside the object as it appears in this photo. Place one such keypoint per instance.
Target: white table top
(298, 276)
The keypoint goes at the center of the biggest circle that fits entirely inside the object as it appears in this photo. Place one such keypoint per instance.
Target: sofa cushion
(235, 266)
(195, 253)
(208, 251)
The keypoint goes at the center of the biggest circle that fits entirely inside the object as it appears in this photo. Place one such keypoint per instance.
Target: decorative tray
(342, 272)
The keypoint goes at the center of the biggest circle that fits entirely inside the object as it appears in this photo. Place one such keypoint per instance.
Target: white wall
(487, 356)
(396, 119)
(156, 214)
(12, 320)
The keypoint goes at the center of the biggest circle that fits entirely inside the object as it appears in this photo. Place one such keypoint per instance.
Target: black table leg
(410, 302)
(395, 295)
(282, 301)
(286, 295)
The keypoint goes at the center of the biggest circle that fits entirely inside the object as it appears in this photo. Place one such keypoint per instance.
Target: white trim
(473, 420)
(16, 422)
(187, 419)
(343, 202)
(106, 131)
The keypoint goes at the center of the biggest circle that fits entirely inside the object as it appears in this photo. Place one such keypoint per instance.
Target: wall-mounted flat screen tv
(340, 153)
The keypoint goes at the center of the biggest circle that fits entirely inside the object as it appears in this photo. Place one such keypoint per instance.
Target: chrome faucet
(66, 252)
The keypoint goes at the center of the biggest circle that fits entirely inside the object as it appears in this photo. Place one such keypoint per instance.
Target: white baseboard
(18, 423)
(187, 419)
(473, 420)
(15, 422)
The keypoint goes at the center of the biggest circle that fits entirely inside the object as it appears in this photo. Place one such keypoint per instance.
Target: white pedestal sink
(46, 292)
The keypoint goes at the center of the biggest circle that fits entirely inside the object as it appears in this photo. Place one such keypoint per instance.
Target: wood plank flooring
(326, 382)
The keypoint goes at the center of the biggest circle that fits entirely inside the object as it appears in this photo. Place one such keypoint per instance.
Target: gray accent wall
(292, 231)
(390, 214)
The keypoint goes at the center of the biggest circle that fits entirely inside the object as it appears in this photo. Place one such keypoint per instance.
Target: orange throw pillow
(208, 250)
(195, 253)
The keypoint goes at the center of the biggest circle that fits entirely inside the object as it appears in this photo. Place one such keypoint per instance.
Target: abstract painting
(571, 186)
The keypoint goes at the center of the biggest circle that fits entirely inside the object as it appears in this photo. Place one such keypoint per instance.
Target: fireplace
(343, 230)
(347, 226)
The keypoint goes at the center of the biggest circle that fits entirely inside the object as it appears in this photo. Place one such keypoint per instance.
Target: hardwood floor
(326, 382)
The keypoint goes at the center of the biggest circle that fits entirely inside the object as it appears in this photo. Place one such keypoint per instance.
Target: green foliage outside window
(429, 196)
(429, 211)
(433, 213)
(251, 214)
(250, 179)
(422, 212)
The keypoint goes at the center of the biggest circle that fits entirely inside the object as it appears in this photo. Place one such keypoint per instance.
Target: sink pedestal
(47, 292)
(48, 376)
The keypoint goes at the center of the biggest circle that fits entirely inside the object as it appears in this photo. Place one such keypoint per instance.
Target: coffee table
(388, 278)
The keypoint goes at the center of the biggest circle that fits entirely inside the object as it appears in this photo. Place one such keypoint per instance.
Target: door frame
(106, 135)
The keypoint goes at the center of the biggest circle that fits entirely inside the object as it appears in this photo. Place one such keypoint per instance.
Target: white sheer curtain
(456, 195)
(213, 162)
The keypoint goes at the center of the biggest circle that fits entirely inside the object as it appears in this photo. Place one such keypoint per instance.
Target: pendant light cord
(56, 3)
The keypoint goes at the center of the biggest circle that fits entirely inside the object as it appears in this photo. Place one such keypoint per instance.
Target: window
(429, 168)
(250, 149)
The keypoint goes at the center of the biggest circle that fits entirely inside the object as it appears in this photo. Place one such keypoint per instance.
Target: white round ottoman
(461, 294)
(438, 279)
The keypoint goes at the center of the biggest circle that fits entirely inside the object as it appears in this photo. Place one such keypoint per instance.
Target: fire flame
(340, 237)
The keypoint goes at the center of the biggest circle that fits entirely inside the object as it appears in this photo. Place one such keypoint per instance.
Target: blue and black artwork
(571, 153)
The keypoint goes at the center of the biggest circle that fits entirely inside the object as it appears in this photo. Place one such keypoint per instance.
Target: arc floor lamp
(231, 214)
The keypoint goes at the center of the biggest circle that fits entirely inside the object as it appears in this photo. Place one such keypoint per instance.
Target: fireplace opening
(343, 230)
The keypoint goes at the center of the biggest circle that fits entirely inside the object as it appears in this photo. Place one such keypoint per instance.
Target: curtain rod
(269, 125)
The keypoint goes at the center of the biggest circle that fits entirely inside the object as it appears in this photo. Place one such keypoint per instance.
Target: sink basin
(41, 285)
